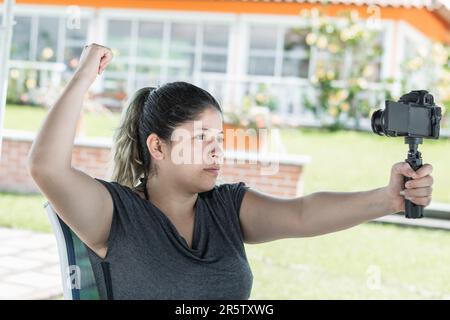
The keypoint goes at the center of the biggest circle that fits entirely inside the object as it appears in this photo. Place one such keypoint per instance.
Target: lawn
(369, 261)
(23, 211)
(30, 118)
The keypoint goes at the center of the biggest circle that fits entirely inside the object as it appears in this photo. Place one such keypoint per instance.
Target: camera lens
(378, 122)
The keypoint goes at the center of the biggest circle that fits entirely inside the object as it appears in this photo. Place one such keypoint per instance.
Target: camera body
(414, 115)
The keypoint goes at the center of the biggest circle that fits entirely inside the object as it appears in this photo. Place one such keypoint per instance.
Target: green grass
(30, 118)
(23, 211)
(410, 264)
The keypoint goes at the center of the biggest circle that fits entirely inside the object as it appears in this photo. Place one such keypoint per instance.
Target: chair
(77, 276)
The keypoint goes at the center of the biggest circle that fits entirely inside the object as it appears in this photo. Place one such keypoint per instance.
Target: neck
(170, 199)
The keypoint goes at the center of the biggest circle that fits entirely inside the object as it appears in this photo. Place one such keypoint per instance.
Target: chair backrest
(77, 276)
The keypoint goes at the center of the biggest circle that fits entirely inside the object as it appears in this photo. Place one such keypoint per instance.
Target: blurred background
(312, 72)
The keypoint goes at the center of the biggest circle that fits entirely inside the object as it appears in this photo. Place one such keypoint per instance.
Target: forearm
(52, 147)
(325, 212)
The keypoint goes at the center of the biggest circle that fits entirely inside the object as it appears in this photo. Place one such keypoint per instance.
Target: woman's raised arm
(81, 201)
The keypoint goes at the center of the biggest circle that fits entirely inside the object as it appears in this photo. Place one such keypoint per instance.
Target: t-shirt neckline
(196, 233)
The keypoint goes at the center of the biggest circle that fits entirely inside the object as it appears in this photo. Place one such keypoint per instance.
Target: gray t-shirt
(149, 259)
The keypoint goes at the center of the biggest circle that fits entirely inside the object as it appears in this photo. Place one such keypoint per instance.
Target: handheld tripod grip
(412, 210)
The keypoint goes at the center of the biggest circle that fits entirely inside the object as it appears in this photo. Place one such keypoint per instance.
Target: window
(150, 37)
(262, 53)
(215, 48)
(20, 44)
(75, 41)
(47, 42)
(182, 50)
(44, 43)
(150, 52)
(295, 54)
(416, 69)
(371, 68)
(119, 37)
(270, 46)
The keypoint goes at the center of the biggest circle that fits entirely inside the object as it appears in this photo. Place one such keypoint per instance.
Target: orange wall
(427, 22)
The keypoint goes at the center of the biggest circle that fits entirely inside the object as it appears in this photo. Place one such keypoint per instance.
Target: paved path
(29, 265)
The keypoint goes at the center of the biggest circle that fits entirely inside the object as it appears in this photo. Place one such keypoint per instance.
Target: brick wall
(273, 175)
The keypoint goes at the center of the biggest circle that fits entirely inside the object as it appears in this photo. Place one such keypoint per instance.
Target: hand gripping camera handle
(412, 210)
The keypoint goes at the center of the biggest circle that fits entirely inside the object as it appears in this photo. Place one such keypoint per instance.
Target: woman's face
(196, 152)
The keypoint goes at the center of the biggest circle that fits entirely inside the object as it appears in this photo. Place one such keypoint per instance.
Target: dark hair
(159, 110)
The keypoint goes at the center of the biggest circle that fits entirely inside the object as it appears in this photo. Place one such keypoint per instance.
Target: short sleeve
(120, 219)
(235, 193)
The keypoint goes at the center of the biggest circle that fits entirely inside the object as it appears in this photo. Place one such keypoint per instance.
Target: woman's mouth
(214, 172)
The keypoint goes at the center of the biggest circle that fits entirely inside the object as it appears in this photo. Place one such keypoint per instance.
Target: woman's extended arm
(324, 212)
(265, 218)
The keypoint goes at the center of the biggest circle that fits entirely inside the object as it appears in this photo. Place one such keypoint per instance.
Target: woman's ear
(155, 146)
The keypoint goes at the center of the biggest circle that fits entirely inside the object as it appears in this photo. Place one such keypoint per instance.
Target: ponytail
(129, 155)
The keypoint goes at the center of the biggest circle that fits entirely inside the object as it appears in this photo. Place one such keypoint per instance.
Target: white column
(5, 48)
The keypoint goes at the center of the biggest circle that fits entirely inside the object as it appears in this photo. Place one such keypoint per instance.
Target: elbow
(38, 165)
(42, 172)
(34, 170)
(38, 169)
(33, 165)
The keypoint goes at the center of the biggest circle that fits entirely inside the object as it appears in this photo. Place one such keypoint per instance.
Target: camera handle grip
(412, 210)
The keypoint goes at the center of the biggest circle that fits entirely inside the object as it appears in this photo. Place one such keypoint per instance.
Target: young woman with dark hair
(165, 228)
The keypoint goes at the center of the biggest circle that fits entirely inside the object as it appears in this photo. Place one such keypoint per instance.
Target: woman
(179, 235)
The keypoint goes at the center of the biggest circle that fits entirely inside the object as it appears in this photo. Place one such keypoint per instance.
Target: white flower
(322, 42)
(311, 39)
(368, 71)
(362, 83)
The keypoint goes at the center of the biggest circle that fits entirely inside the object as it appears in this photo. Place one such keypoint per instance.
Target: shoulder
(228, 193)
(120, 191)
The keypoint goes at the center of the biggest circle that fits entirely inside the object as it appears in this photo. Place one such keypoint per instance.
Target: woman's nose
(217, 150)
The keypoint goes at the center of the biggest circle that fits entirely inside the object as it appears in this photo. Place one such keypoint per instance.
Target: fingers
(424, 170)
(418, 192)
(104, 53)
(420, 182)
(103, 65)
(421, 201)
(419, 189)
(404, 168)
(107, 57)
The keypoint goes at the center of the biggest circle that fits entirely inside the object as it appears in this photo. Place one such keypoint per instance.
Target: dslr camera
(414, 116)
